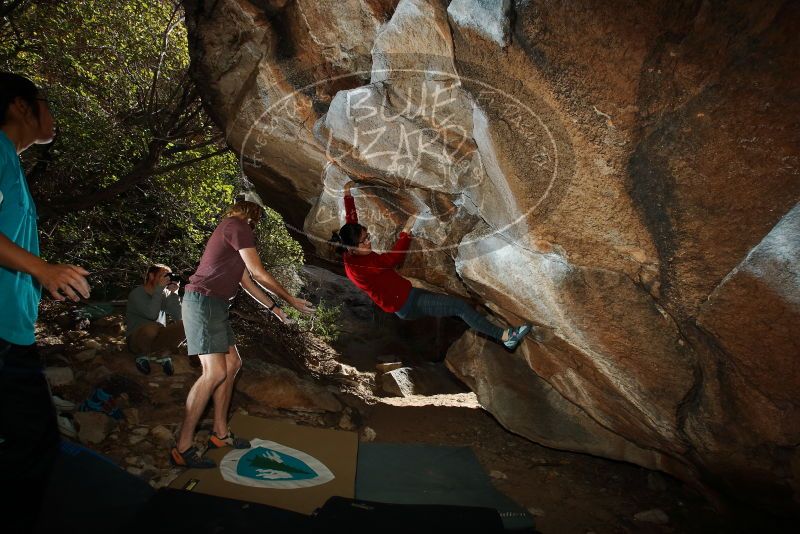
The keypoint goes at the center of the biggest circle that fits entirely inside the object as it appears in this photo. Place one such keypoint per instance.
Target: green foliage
(281, 255)
(129, 117)
(167, 223)
(138, 173)
(283, 258)
(324, 323)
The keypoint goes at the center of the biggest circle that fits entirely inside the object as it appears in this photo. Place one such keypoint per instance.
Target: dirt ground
(566, 492)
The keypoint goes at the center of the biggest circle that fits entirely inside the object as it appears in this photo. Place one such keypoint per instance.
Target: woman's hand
(347, 188)
(281, 315)
(303, 306)
(63, 281)
(409, 224)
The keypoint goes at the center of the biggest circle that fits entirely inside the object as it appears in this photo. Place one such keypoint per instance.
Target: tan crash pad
(336, 450)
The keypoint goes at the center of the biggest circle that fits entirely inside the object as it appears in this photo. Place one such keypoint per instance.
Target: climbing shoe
(143, 365)
(515, 336)
(166, 365)
(191, 457)
(216, 442)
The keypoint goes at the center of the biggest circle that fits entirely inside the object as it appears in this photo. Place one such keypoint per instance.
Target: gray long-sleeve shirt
(144, 308)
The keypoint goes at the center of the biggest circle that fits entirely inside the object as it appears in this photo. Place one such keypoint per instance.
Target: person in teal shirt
(28, 429)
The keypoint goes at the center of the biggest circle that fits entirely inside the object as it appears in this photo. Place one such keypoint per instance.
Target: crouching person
(148, 333)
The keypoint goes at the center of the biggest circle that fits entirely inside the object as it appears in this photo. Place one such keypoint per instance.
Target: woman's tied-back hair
(13, 86)
(347, 236)
(155, 268)
(250, 210)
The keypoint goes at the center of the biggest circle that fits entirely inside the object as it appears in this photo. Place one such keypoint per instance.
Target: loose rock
(93, 427)
(163, 435)
(59, 376)
(656, 515)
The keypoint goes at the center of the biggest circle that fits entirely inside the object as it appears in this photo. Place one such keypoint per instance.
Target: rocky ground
(413, 401)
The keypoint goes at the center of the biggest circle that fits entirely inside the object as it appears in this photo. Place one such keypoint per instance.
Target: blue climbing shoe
(217, 442)
(166, 365)
(143, 365)
(515, 336)
(103, 402)
(191, 458)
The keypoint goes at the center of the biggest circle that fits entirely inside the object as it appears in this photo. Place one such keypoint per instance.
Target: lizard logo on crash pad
(267, 464)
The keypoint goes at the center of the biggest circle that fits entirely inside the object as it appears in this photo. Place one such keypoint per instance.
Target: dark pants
(29, 434)
(422, 303)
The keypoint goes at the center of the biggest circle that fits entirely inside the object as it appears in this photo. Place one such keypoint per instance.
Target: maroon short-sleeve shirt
(221, 267)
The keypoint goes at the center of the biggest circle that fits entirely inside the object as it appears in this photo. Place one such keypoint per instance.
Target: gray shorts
(205, 320)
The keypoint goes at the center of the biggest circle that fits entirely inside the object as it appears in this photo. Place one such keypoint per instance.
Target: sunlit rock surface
(624, 174)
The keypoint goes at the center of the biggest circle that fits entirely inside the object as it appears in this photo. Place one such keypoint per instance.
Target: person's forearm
(351, 215)
(398, 253)
(256, 269)
(61, 281)
(269, 282)
(258, 294)
(16, 258)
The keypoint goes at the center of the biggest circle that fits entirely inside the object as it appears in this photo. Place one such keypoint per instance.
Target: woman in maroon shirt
(375, 275)
(230, 261)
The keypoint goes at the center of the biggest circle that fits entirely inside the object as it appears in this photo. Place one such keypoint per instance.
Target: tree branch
(141, 171)
(144, 170)
(164, 45)
(182, 164)
(184, 148)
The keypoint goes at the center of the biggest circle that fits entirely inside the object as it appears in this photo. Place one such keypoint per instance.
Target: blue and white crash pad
(268, 464)
(288, 466)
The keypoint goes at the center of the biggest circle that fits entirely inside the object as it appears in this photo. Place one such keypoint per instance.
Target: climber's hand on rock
(410, 224)
(348, 186)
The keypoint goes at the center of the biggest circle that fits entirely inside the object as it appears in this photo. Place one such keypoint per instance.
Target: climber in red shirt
(375, 275)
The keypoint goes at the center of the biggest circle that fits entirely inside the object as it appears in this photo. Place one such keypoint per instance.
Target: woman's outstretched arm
(265, 299)
(351, 216)
(395, 257)
(260, 275)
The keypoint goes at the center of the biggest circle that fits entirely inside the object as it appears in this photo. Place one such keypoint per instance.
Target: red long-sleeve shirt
(375, 273)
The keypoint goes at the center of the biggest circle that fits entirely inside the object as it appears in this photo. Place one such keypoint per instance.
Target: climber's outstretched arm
(351, 216)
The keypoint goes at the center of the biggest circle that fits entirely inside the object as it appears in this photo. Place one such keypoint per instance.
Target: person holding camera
(146, 318)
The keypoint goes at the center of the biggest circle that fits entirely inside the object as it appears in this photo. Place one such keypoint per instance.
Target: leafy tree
(138, 172)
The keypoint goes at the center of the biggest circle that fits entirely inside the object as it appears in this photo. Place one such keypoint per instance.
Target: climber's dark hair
(347, 236)
(13, 86)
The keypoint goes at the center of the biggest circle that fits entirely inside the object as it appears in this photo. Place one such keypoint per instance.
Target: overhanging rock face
(626, 176)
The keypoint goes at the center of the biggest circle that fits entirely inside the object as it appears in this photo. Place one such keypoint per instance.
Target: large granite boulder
(626, 174)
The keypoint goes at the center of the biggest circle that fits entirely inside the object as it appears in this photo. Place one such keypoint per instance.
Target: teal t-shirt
(19, 292)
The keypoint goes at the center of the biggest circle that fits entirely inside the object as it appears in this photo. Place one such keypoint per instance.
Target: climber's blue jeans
(422, 303)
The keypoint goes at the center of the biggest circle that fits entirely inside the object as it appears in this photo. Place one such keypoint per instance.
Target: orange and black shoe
(216, 442)
(191, 457)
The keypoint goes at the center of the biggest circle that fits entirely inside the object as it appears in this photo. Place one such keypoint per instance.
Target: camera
(174, 277)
